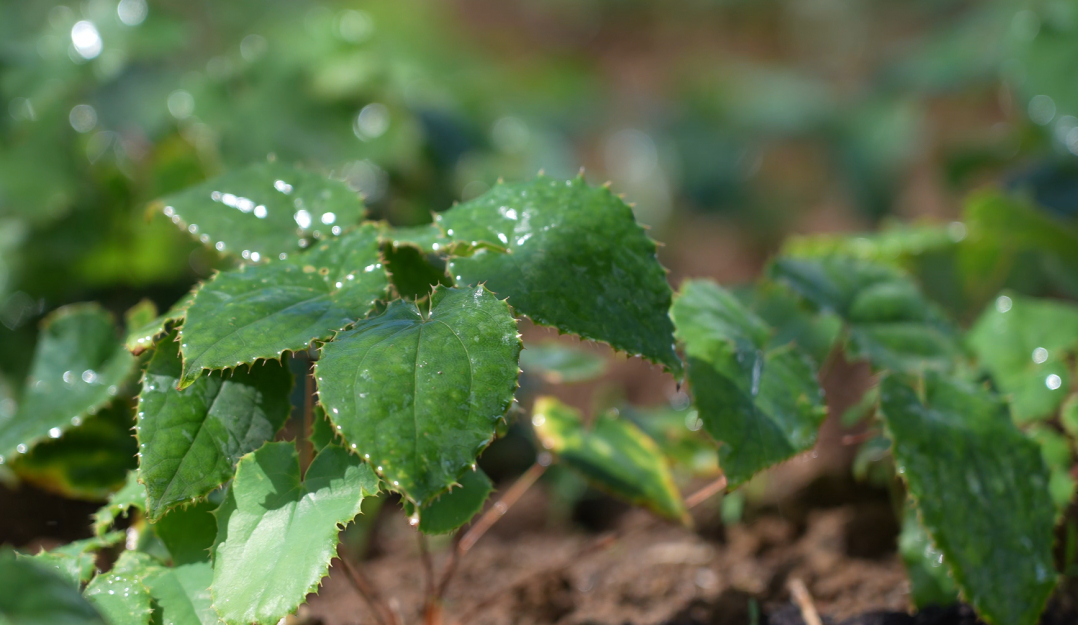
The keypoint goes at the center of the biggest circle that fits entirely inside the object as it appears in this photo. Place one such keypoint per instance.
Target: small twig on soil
(379, 609)
(500, 507)
(705, 493)
(803, 599)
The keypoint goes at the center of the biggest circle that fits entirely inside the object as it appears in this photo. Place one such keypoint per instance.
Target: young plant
(412, 333)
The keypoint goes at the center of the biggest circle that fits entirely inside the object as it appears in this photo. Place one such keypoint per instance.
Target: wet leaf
(119, 594)
(427, 237)
(142, 336)
(456, 507)
(1026, 344)
(190, 440)
(678, 433)
(78, 368)
(982, 490)
(420, 395)
(262, 311)
(277, 533)
(558, 363)
(132, 495)
(792, 319)
(577, 261)
(264, 210)
(614, 455)
(930, 581)
(34, 595)
(88, 461)
(322, 433)
(188, 532)
(889, 321)
(761, 403)
(1059, 457)
(182, 593)
(76, 562)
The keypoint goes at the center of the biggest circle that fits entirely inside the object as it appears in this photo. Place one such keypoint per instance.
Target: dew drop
(54, 433)
(21, 448)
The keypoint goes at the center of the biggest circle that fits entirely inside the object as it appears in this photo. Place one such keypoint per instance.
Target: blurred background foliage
(731, 125)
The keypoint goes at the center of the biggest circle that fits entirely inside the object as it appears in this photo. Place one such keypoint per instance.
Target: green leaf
(894, 245)
(190, 440)
(142, 336)
(262, 311)
(264, 210)
(182, 593)
(277, 534)
(614, 455)
(890, 322)
(982, 489)
(792, 319)
(420, 395)
(1059, 458)
(761, 403)
(34, 595)
(188, 533)
(577, 261)
(930, 582)
(78, 368)
(132, 495)
(412, 272)
(322, 433)
(558, 363)
(119, 595)
(456, 507)
(427, 237)
(677, 432)
(76, 562)
(1026, 344)
(88, 461)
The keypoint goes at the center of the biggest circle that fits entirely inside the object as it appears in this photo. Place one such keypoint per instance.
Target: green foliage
(889, 322)
(1028, 345)
(262, 311)
(981, 489)
(761, 403)
(119, 595)
(277, 533)
(613, 454)
(191, 439)
(141, 336)
(401, 384)
(33, 595)
(75, 561)
(264, 211)
(930, 581)
(577, 261)
(79, 366)
(131, 495)
(558, 363)
(456, 507)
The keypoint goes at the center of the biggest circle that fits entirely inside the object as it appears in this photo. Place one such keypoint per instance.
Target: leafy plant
(407, 347)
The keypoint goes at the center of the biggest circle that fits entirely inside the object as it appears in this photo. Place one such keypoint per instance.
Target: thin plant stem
(366, 589)
(705, 493)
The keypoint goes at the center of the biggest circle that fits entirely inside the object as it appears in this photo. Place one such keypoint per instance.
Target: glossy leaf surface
(982, 489)
(264, 210)
(1027, 344)
(119, 595)
(34, 595)
(420, 395)
(614, 455)
(262, 311)
(78, 367)
(930, 581)
(413, 273)
(890, 322)
(577, 260)
(142, 336)
(191, 439)
(761, 403)
(456, 507)
(558, 362)
(277, 534)
(182, 593)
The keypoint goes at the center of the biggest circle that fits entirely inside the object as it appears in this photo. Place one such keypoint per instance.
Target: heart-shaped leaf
(614, 455)
(78, 368)
(190, 440)
(420, 395)
(277, 533)
(262, 311)
(761, 403)
(264, 210)
(577, 261)
(982, 489)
